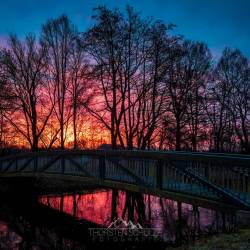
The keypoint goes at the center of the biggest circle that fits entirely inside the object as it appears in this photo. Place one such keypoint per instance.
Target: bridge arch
(208, 178)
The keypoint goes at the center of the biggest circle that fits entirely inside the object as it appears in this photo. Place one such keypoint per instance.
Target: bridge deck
(215, 177)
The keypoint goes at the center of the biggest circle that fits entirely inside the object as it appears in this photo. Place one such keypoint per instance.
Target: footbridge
(209, 178)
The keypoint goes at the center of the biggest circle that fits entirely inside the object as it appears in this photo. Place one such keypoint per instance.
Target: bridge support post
(196, 215)
(16, 163)
(248, 184)
(61, 203)
(223, 222)
(35, 164)
(74, 205)
(159, 174)
(102, 167)
(63, 164)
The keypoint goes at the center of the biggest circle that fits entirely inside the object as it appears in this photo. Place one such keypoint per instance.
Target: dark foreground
(234, 241)
(79, 220)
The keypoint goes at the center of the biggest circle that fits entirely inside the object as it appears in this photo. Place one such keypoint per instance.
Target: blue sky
(219, 23)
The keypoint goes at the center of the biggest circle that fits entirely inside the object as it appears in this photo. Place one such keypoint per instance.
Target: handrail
(238, 159)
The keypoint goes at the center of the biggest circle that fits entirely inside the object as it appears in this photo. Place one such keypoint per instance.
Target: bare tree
(24, 66)
(146, 88)
(153, 85)
(129, 57)
(196, 70)
(58, 36)
(104, 43)
(177, 95)
(230, 116)
(79, 88)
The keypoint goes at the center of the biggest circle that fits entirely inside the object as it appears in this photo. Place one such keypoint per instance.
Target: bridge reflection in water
(172, 220)
(203, 178)
(62, 221)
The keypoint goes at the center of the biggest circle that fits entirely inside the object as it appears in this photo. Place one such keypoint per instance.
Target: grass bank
(232, 241)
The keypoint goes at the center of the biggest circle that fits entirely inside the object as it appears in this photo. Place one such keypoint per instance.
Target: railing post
(35, 164)
(102, 167)
(16, 165)
(159, 174)
(63, 164)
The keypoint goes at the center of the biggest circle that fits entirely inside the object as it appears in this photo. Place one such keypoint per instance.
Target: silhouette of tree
(147, 88)
(58, 36)
(233, 72)
(24, 66)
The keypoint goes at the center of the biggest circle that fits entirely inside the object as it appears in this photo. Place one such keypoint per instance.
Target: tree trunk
(178, 136)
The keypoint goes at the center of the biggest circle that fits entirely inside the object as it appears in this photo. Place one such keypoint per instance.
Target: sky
(219, 23)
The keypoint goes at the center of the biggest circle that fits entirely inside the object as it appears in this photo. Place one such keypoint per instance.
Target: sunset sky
(219, 23)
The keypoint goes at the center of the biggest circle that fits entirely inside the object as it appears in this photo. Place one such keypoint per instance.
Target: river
(70, 221)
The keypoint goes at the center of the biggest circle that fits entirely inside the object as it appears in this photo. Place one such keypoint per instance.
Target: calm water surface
(173, 222)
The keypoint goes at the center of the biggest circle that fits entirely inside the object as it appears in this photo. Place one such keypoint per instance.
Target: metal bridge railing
(210, 175)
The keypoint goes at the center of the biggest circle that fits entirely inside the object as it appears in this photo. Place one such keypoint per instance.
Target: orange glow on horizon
(89, 135)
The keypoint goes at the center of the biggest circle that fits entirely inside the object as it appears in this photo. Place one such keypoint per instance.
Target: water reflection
(174, 221)
(8, 238)
(30, 230)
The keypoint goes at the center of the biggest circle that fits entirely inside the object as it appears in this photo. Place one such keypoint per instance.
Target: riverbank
(232, 241)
